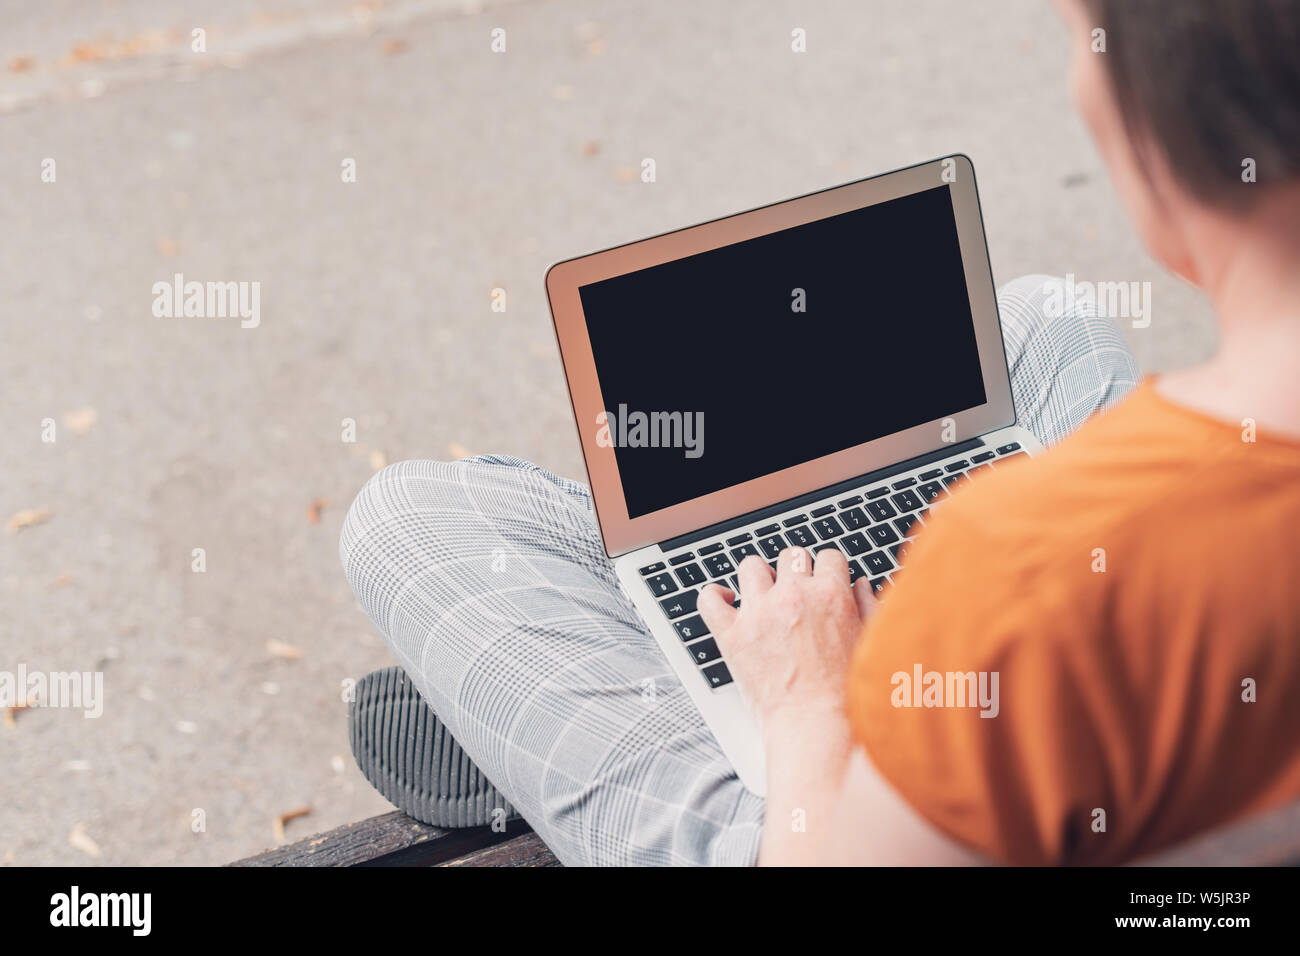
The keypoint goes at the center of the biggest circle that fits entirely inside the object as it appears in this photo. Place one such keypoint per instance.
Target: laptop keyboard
(871, 528)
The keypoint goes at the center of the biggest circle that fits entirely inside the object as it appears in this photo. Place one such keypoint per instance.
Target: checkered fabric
(488, 580)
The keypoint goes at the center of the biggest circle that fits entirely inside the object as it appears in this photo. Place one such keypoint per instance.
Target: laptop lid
(727, 366)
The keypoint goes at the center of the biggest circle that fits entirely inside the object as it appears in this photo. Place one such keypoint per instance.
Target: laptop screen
(744, 360)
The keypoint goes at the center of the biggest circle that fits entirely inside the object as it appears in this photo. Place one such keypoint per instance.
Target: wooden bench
(394, 839)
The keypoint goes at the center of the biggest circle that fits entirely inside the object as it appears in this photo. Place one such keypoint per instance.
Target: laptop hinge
(722, 527)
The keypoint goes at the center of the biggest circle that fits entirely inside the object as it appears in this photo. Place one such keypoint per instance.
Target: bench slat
(526, 850)
(392, 839)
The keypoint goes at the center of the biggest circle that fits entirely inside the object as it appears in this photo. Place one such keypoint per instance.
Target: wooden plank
(526, 850)
(1270, 839)
(393, 839)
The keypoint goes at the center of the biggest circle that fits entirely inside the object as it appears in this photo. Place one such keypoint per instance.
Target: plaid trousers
(488, 579)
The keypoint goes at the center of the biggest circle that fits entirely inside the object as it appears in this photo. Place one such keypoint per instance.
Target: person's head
(1195, 107)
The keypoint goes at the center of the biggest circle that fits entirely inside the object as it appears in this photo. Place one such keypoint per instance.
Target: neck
(1253, 283)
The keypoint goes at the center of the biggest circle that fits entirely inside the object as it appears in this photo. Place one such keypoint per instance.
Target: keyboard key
(682, 558)
(856, 543)
(824, 510)
(797, 519)
(828, 528)
(881, 510)
(719, 565)
(738, 539)
(802, 537)
(767, 529)
(710, 549)
(854, 519)
(691, 575)
(1008, 449)
(951, 480)
(877, 562)
(976, 470)
(850, 502)
(772, 545)
(855, 572)
(828, 546)
(661, 584)
(907, 500)
(905, 483)
(907, 525)
(679, 604)
(931, 474)
(717, 674)
(705, 651)
(931, 491)
(878, 584)
(744, 551)
(691, 628)
(982, 456)
(882, 534)
(877, 492)
(653, 568)
(955, 466)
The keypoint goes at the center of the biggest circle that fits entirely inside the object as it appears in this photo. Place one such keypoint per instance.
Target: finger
(714, 605)
(832, 564)
(793, 561)
(755, 577)
(866, 599)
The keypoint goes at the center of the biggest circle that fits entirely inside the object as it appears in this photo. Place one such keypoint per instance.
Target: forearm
(807, 755)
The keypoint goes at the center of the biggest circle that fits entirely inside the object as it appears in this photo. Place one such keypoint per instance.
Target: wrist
(808, 735)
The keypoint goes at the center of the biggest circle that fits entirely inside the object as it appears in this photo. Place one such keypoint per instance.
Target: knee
(1048, 311)
(406, 500)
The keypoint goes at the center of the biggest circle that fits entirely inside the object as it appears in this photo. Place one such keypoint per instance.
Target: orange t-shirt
(1136, 592)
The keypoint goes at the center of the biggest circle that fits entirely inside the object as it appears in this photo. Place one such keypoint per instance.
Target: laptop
(821, 372)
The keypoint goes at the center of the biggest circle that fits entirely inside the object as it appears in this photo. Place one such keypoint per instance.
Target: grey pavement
(475, 170)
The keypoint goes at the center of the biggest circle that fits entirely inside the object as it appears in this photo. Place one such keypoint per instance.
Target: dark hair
(1210, 83)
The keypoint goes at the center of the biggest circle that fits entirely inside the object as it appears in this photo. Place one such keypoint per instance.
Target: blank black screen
(886, 342)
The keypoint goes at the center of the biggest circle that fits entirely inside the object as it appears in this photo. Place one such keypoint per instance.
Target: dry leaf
(21, 64)
(378, 459)
(284, 818)
(80, 420)
(282, 650)
(627, 174)
(27, 518)
(315, 508)
(86, 52)
(12, 712)
(78, 839)
(168, 247)
(457, 451)
(590, 148)
(395, 45)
